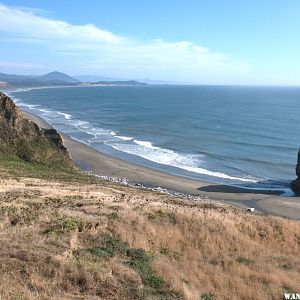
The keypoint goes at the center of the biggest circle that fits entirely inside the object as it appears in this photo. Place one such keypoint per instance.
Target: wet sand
(90, 159)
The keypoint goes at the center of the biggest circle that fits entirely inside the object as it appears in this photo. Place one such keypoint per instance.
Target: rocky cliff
(25, 139)
(296, 182)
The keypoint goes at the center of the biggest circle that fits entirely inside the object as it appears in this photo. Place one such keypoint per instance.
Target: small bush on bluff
(206, 296)
(137, 259)
(245, 261)
(25, 150)
(64, 225)
(109, 246)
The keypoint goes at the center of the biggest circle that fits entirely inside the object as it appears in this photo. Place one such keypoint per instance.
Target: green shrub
(63, 225)
(287, 266)
(137, 259)
(162, 215)
(207, 296)
(245, 261)
(25, 151)
(110, 246)
(114, 216)
(213, 262)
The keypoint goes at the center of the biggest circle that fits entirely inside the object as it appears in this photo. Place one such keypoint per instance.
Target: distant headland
(11, 81)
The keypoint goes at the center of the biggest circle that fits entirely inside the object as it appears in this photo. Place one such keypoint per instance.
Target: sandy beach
(90, 159)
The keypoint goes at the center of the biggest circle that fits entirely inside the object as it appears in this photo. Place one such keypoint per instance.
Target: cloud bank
(90, 49)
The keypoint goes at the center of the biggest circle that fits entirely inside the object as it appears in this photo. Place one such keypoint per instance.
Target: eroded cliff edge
(26, 140)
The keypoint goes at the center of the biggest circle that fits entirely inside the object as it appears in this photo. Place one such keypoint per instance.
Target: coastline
(90, 159)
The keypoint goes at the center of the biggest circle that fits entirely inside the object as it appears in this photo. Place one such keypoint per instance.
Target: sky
(238, 42)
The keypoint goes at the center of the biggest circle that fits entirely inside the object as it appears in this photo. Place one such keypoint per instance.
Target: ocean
(243, 136)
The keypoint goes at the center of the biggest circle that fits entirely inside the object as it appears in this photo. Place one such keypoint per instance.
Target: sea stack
(296, 182)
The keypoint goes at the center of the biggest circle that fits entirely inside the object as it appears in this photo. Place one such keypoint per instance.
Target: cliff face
(296, 182)
(25, 139)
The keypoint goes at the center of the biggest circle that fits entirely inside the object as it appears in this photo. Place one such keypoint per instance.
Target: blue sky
(205, 42)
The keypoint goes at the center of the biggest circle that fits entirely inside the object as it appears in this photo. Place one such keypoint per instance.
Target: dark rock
(54, 137)
(298, 165)
(296, 182)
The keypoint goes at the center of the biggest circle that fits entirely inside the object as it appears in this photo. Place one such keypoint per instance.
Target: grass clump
(114, 216)
(137, 259)
(206, 296)
(141, 261)
(63, 226)
(213, 262)
(110, 246)
(245, 261)
(25, 150)
(163, 215)
(287, 267)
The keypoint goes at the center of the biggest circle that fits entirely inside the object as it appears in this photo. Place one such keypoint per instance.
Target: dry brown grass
(53, 238)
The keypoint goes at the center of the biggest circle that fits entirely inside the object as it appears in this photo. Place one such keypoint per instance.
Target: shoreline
(102, 165)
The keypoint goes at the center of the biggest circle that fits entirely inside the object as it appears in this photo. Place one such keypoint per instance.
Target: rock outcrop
(296, 182)
(25, 139)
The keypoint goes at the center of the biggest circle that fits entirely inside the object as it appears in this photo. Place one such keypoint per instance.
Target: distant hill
(53, 78)
(60, 79)
(12, 79)
(57, 76)
(4, 76)
(97, 78)
(121, 82)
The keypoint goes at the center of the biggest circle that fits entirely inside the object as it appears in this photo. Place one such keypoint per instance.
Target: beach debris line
(158, 189)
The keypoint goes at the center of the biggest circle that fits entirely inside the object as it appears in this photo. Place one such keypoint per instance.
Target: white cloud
(25, 23)
(92, 48)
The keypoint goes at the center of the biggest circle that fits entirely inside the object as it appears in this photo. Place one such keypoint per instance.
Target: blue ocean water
(224, 134)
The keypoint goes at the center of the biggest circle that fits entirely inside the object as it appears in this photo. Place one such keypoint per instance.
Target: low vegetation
(66, 235)
(15, 167)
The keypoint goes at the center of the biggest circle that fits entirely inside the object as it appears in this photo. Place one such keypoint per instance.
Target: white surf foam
(168, 157)
(32, 106)
(23, 104)
(145, 144)
(84, 125)
(45, 110)
(95, 131)
(67, 116)
(124, 138)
